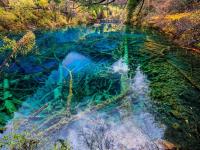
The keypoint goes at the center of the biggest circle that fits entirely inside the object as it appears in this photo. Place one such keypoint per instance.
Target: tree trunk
(132, 4)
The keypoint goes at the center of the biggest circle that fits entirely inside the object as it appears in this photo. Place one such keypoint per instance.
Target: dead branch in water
(39, 111)
(69, 97)
(64, 120)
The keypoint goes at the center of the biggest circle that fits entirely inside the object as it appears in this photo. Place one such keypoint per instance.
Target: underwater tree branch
(63, 121)
(23, 46)
(69, 97)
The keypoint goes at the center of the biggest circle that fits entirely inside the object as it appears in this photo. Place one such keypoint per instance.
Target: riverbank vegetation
(178, 19)
(33, 14)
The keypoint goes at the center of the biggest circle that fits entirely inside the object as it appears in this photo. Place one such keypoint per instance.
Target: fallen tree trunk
(65, 120)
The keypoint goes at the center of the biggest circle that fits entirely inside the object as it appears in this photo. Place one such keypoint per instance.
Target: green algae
(168, 89)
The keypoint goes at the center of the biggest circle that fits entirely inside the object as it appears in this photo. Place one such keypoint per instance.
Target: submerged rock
(120, 67)
(165, 145)
(176, 125)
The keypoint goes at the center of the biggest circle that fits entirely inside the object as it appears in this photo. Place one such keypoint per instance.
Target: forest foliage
(178, 19)
(31, 14)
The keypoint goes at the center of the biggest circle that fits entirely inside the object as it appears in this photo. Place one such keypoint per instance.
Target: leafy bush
(26, 43)
(42, 3)
(18, 4)
(7, 18)
(16, 141)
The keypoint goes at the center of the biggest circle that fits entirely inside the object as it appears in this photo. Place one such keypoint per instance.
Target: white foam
(120, 66)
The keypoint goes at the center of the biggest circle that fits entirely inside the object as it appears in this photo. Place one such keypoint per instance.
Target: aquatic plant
(17, 141)
(62, 145)
(167, 95)
(26, 141)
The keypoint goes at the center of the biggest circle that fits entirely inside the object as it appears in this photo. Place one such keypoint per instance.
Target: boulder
(165, 145)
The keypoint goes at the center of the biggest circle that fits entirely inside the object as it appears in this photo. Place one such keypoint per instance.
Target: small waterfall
(120, 67)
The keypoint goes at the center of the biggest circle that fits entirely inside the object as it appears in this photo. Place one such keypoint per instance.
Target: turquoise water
(124, 86)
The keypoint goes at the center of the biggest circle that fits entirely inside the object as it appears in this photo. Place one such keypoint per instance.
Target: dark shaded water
(126, 85)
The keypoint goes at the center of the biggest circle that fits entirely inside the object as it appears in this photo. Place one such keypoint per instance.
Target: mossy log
(66, 120)
(38, 111)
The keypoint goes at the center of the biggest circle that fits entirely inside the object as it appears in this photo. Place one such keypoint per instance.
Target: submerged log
(66, 120)
(38, 111)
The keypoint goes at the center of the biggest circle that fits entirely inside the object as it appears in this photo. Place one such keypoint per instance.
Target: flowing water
(103, 87)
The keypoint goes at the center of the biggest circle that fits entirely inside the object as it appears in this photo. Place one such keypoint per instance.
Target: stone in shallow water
(175, 125)
(165, 145)
(120, 67)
